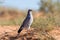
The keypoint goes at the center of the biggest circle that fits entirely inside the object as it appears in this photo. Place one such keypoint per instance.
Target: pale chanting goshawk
(27, 22)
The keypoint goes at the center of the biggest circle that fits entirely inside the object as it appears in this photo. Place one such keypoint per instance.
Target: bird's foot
(18, 35)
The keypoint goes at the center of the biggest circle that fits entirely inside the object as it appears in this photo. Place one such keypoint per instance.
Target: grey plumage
(27, 22)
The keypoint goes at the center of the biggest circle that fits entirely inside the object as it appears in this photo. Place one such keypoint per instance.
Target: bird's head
(29, 11)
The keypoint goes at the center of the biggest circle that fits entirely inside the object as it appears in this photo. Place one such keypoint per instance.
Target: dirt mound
(10, 33)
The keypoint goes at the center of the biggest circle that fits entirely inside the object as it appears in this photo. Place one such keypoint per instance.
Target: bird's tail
(20, 30)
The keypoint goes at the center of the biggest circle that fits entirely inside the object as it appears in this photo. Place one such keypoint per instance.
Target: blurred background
(46, 14)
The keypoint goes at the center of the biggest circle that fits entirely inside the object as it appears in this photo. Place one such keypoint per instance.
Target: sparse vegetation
(43, 23)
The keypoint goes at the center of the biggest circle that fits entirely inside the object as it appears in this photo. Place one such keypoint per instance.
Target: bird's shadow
(12, 38)
(17, 37)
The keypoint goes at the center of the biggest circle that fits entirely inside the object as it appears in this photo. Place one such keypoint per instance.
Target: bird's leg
(28, 30)
(17, 35)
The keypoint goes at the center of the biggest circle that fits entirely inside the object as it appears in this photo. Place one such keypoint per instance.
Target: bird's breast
(31, 19)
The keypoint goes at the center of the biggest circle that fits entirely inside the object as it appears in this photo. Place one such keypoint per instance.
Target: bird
(27, 22)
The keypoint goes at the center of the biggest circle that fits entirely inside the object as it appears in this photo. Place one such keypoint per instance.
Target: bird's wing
(25, 22)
